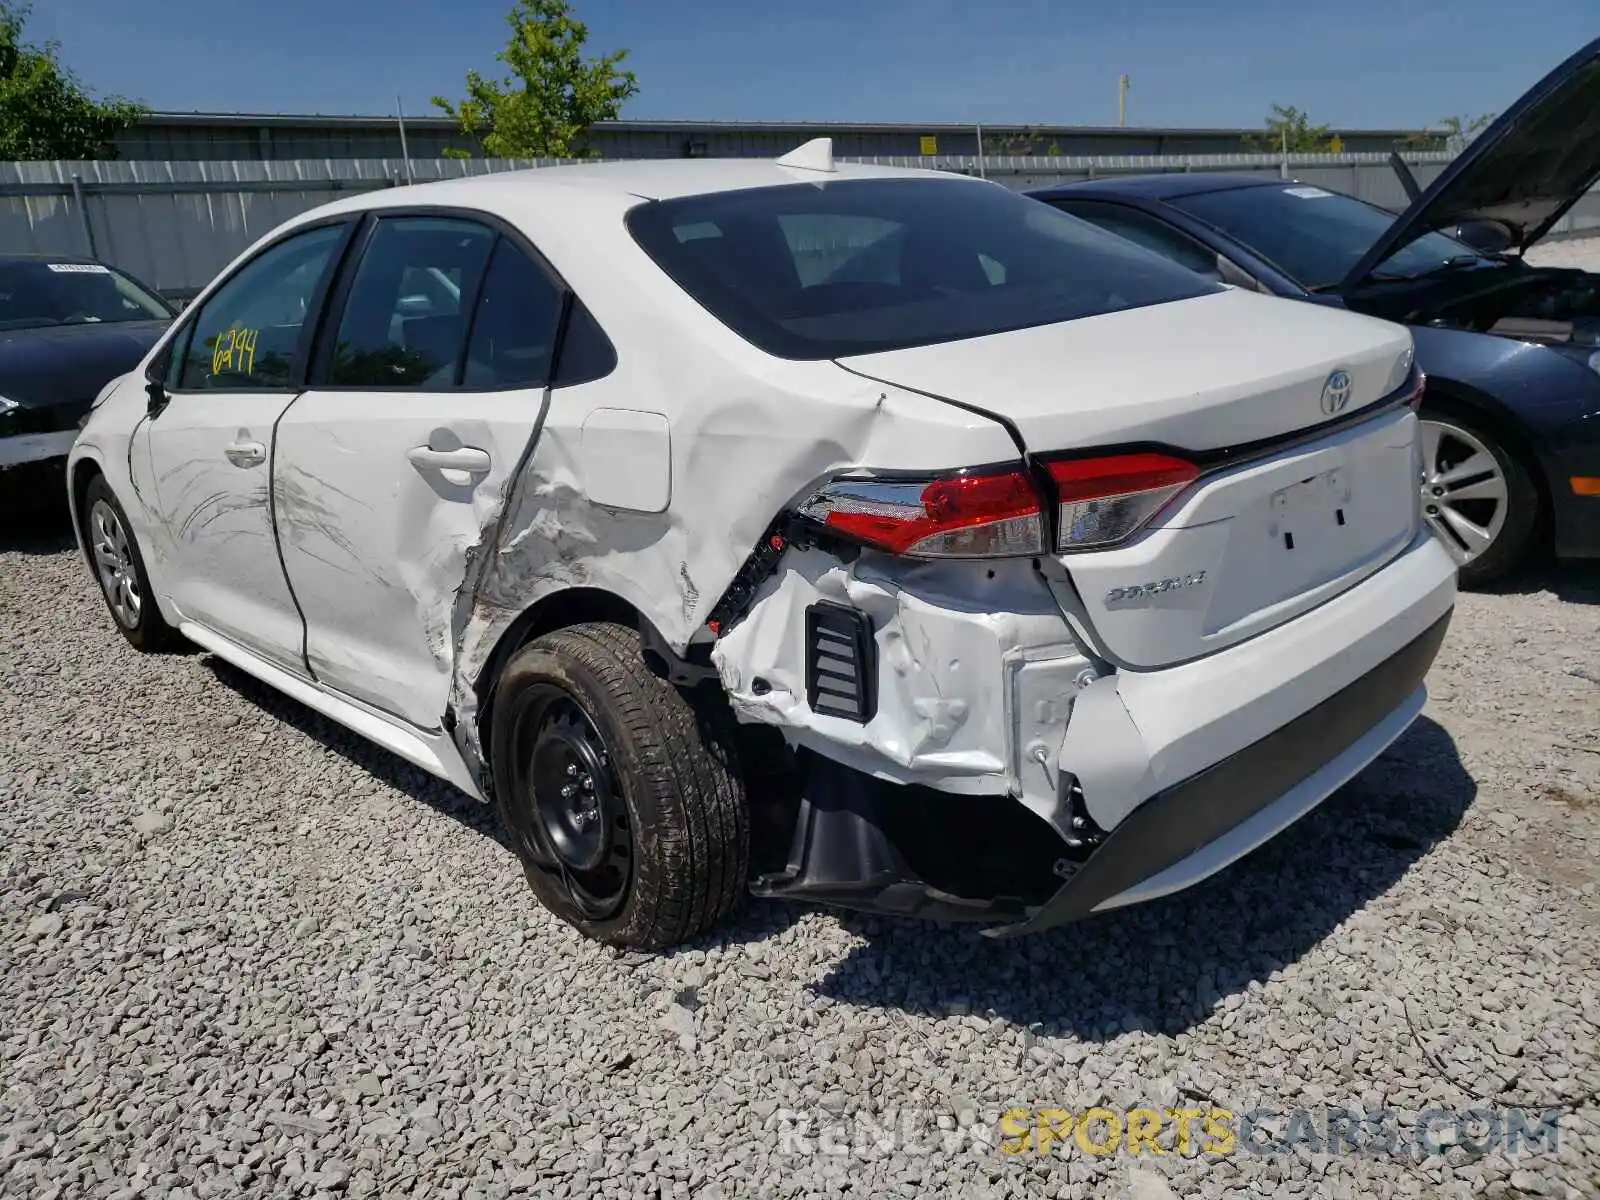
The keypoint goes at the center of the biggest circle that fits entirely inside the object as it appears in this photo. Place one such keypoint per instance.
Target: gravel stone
(150, 823)
(323, 974)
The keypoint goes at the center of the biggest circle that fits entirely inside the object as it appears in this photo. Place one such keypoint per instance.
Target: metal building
(197, 137)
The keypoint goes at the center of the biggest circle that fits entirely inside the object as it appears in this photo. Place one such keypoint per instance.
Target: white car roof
(648, 179)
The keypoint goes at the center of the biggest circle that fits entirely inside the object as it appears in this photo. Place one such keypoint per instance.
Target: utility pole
(405, 151)
(1122, 100)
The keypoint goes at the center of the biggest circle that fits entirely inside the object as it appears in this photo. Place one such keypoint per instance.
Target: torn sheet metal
(952, 639)
(733, 468)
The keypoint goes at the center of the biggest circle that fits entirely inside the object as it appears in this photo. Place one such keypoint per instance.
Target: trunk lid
(1238, 383)
(1523, 172)
(1226, 369)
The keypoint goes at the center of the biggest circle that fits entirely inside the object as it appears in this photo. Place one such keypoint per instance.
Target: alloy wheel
(113, 557)
(1464, 492)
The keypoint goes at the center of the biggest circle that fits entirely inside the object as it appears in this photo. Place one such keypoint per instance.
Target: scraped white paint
(213, 531)
(375, 530)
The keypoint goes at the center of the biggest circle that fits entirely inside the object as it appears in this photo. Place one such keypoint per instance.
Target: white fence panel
(175, 224)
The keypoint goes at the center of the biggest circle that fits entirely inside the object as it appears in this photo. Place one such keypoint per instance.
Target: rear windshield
(1314, 236)
(37, 292)
(854, 266)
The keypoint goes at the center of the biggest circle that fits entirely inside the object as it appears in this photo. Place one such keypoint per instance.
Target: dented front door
(210, 448)
(393, 464)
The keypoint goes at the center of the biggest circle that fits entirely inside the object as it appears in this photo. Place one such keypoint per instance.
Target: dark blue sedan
(1511, 429)
(68, 326)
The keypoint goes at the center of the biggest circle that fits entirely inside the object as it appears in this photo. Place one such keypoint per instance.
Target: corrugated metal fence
(175, 224)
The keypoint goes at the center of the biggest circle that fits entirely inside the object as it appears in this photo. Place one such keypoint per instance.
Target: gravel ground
(243, 953)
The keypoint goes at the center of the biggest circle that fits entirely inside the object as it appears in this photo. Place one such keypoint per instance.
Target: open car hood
(1524, 171)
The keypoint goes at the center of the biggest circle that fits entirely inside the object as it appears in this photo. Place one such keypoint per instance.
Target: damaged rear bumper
(1190, 831)
(851, 847)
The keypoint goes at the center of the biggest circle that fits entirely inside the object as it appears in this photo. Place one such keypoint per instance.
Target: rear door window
(856, 266)
(514, 328)
(404, 323)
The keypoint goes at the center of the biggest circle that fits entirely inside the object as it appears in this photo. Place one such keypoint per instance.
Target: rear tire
(1478, 496)
(120, 571)
(622, 794)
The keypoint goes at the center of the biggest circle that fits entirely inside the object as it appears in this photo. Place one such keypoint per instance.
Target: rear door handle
(245, 454)
(467, 458)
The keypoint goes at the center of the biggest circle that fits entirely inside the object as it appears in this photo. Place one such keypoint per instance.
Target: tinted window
(514, 330)
(37, 292)
(1312, 235)
(809, 271)
(246, 335)
(405, 321)
(586, 353)
(1149, 232)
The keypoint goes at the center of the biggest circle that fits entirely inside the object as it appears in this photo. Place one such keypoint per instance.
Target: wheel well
(1465, 402)
(82, 475)
(570, 606)
(85, 473)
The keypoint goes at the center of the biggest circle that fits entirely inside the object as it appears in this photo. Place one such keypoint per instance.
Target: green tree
(553, 93)
(1017, 142)
(1460, 131)
(1290, 130)
(44, 113)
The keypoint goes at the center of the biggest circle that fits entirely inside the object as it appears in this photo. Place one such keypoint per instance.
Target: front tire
(120, 571)
(1478, 497)
(622, 794)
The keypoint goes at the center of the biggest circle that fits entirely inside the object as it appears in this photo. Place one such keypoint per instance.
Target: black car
(68, 326)
(1511, 430)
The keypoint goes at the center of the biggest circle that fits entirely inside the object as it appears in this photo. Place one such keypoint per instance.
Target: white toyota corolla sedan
(870, 536)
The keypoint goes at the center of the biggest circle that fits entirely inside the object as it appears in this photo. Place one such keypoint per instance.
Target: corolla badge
(1140, 592)
(1336, 393)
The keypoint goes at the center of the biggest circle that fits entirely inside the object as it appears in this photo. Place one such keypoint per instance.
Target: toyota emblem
(1336, 393)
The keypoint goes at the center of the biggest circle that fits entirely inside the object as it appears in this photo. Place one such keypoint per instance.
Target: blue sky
(1354, 63)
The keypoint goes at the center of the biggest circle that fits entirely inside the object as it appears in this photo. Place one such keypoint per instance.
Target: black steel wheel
(578, 833)
(622, 794)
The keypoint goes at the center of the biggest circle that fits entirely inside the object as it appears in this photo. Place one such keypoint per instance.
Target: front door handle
(466, 458)
(245, 454)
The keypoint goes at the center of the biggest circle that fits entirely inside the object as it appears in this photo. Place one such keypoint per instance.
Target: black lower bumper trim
(864, 844)
(1173, 824)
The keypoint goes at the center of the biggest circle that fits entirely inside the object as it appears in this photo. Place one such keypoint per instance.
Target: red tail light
(988, 515)
(1105, 500)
